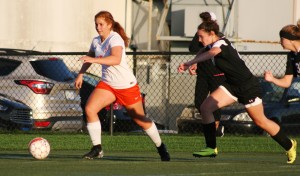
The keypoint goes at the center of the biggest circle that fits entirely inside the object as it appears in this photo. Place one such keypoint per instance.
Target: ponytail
(120, 30)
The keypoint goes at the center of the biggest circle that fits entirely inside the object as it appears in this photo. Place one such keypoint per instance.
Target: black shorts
(246, 93)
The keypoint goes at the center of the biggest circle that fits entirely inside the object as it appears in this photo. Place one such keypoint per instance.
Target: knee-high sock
(282, 140)
(152, 132)
(210, 135)
(94, 129)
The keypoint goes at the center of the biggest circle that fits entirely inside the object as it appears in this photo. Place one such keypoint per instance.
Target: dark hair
(208, 24)
(205, 16)
(115, 25)
(291, 32)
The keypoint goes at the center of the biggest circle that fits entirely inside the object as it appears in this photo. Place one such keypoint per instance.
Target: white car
(45, 84)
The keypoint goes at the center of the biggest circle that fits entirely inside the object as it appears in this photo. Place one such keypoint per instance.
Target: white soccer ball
(39, 148)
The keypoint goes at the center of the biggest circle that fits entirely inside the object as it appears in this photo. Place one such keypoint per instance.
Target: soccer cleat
(96, 152)
(163, 152)
(207, 152)
(291, 154)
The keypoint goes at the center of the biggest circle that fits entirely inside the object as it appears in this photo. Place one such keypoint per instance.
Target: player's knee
(89, 111)
(204, 109)
(144, 123)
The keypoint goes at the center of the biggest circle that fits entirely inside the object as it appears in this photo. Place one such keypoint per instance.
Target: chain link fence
(37, 93)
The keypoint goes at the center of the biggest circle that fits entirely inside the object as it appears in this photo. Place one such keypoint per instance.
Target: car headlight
(242, 117)
(31, 115)
(3, 108)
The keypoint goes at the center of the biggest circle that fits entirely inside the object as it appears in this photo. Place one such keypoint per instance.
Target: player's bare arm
(200, 57)
(113, 59)
(284, 82)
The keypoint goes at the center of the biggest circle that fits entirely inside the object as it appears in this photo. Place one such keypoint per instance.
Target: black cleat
(163, 152)
(96, 152)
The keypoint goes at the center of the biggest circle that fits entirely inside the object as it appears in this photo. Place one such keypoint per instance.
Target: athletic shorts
(249, 94)
(124, 97)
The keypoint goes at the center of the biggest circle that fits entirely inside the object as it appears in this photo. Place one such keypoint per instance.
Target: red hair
(115, 25)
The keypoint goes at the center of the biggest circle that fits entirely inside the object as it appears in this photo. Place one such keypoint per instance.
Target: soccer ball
(39, 148)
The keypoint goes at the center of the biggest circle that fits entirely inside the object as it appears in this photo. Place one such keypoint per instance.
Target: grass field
(136, 155)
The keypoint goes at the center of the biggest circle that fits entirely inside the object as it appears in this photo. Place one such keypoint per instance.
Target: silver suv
(46, 85)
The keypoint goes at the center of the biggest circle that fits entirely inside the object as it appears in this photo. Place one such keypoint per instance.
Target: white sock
(152, 132)
(94, 129)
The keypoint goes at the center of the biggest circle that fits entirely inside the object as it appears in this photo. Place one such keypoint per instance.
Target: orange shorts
(125, 97)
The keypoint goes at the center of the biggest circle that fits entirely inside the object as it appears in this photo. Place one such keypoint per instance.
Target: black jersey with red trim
(230, 63)
(293, 64)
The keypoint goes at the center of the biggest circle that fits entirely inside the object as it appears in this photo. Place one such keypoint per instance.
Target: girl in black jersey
(290, 40)
(240, 85)
(209, 78)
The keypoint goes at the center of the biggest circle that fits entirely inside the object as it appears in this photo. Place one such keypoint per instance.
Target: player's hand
(86, 59)
(182, 68)
(269, 76)
(192, 69)
(78, 81)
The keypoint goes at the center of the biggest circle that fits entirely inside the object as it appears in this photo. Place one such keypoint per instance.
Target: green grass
(136, 155)
(140, 142)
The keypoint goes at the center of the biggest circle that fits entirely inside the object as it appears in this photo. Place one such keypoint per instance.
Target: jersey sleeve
(116, 40)
(219, 43)
(289, 66)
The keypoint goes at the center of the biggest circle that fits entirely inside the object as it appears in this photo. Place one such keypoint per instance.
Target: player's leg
(217, 99)
(98, 99)
(136, 111)
(213, 83)
(204, 85)
(132, 101)
(202, 90)
(257, 115)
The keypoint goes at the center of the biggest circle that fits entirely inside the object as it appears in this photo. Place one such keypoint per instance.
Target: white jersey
(117, 76)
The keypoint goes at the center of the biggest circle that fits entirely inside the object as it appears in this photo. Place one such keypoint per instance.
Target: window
(53, 68)
(7, 66)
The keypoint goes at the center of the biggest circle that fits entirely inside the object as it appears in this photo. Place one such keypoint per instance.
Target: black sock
(283, 140)
(209, 131)
(99, 146)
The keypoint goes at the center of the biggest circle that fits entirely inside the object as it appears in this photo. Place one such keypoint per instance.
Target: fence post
(134, 48)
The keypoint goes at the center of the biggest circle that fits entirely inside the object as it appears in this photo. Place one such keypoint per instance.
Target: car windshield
(271, 92)
(54, 69)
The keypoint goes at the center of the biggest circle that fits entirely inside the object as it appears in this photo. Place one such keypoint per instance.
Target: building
(153, 25)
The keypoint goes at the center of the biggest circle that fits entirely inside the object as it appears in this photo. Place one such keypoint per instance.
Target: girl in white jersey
(240, 85)
(117, 84)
